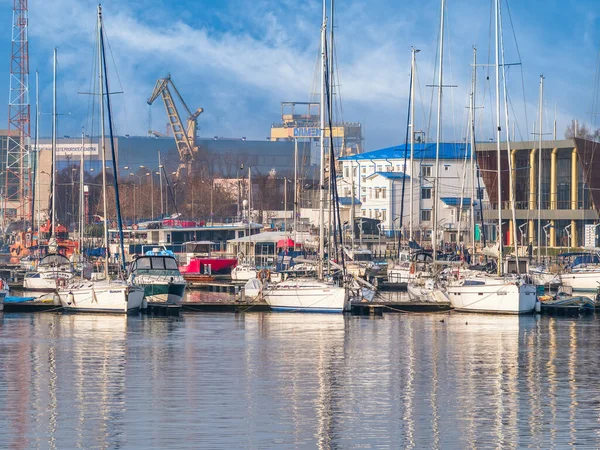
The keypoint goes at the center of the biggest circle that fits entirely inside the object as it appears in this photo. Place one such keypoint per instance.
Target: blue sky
(239, 59)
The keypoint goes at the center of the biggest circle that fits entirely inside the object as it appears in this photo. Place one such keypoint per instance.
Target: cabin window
(171, 264)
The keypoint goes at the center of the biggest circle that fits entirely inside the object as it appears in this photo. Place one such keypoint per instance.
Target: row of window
(375, 214)
(426, 170)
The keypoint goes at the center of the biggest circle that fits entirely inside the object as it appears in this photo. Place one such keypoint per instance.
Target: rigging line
(112, 57)
(512, 27)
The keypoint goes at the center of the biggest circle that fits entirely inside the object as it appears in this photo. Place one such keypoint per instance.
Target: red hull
(217, 265)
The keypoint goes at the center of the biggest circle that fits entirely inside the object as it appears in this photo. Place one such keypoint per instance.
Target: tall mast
(81, 194)
(439, 132)
(539, 186)
(414, 51)
(472, 126)
(511, 175)
(36, 156)
(102, 141)
(52, 176)
(295, 190)
(322, 149)
(499, 234)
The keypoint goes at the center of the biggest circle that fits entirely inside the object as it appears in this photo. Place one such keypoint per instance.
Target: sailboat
(313, 294)
(482, 292)
(107, 296)
(53, 269)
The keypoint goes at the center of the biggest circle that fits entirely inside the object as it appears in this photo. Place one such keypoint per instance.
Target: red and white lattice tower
(17, 174)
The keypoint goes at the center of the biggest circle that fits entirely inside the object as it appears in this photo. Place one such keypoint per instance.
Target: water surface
(268, 380)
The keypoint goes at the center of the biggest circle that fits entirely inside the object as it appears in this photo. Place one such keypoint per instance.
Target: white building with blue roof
(377, 180)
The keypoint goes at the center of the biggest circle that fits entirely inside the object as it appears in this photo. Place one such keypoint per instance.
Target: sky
(240, 59)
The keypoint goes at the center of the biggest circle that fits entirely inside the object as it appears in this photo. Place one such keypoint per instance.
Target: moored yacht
(106, 296)
(492, 294)
(307, 295)
(157, 273)
(52, 271)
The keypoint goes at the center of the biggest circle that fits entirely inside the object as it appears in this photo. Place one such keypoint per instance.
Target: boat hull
(164, 292)
(307, 295)
(494, 298)
(45, 281)
(581, 281)
(101, 298)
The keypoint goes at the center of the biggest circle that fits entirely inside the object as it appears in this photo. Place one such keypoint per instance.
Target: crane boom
(185, 137)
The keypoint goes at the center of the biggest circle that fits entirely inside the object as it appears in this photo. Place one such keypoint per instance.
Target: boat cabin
(165, 265)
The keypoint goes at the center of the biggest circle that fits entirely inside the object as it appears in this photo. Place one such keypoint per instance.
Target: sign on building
(70, 150)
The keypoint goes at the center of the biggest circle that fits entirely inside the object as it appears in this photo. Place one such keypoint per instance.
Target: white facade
(378, 183)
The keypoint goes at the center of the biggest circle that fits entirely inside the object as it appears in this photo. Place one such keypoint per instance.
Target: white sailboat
(105, 296)
(482, 292)
(309, 294)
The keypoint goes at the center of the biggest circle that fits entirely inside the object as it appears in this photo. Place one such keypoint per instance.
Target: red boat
(200, 260)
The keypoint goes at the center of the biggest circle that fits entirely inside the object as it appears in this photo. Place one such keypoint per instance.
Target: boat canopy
(163, 262)
(54, 260)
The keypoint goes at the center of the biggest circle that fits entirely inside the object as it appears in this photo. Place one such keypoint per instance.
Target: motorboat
(157, 273)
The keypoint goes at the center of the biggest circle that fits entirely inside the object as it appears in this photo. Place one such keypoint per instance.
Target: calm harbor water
(265, 380)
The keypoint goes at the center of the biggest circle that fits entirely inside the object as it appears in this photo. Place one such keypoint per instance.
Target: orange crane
(185, 137)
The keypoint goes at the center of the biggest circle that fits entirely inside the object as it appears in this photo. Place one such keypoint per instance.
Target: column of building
(574, 196)
(532, 192)
(553, 190)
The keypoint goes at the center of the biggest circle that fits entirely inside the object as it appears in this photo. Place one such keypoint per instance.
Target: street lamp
(151, 192)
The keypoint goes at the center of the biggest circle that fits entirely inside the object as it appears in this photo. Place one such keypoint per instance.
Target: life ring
(240, 255)
(264, 274)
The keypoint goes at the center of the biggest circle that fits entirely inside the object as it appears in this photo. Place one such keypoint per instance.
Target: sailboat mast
(414, 51)
(511, 175)
(102, 141)
(472, 126)
(322, 149)
(438, 132)
(36, 159)
(539, 183)
(81, 193)
(295, 191)
(499, 168)
(52, 175)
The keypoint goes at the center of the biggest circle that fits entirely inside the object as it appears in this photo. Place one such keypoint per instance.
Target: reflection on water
(297, 380)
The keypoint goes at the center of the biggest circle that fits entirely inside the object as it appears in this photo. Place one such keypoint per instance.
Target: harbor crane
(185, 137)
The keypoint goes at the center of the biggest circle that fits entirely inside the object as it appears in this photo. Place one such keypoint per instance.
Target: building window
(377, 192)
(363, 212)
(425, 171)
(389, 168)
(426, 215)
(378, 168)
(446, 167)
(383, 215)
(425, 193)
(363, 200)
(370, 213)
(370, 192)
(383, 192)
(364, 170)
(346, 172)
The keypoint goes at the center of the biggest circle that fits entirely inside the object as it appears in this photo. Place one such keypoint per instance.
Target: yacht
(107, 296)
(308, 295)
(54, 270)
(157, 273)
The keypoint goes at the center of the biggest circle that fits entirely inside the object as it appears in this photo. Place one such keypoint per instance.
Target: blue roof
(454, 201)
(422, 151)
(347, 201)
(391, 175)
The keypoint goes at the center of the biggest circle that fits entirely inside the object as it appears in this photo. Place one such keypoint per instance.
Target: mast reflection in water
(261, 380)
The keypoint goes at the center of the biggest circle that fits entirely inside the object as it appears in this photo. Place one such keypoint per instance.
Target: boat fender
(71, 299)
(412, 268)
